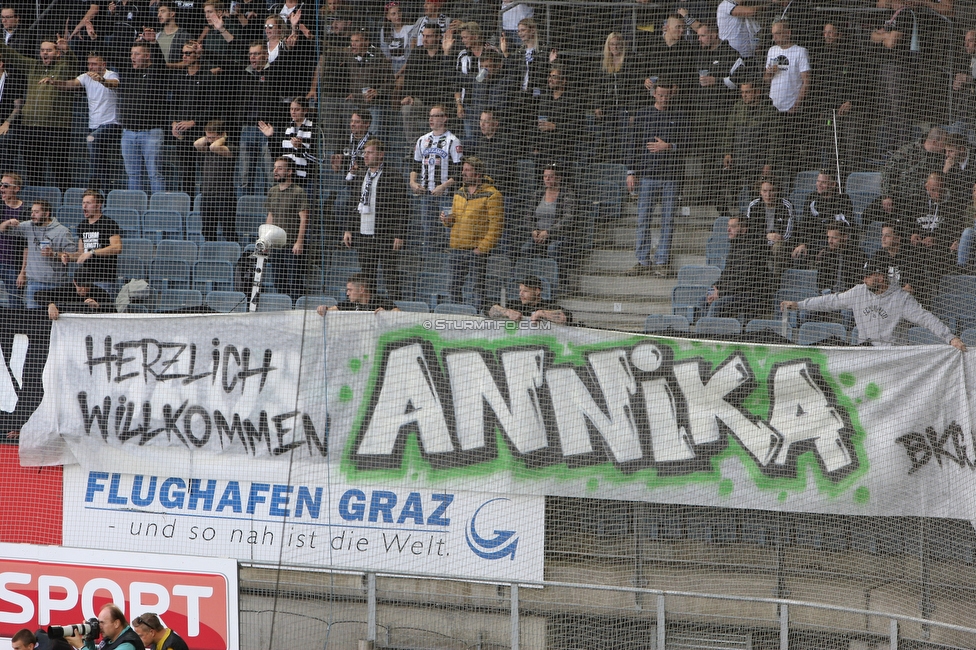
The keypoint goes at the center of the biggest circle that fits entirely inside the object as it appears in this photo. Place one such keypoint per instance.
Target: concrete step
(611, 321)
(625, 288)
(627, 308)
(614, 263)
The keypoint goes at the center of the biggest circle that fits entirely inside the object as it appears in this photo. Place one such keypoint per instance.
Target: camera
(89, 629)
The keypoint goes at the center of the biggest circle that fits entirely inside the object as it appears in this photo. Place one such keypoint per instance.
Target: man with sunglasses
(46, 240)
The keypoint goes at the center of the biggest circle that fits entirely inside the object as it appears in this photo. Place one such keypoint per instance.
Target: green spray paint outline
(760, 359)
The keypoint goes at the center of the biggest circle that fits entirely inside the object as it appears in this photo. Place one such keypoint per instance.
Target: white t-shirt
(741, 33)
(102, 101)
(784, 89)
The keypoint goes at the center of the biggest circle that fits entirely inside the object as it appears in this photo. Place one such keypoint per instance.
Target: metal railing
(663, 619)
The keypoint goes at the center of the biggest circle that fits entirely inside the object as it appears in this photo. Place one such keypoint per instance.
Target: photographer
(155, 635)
(116, 632)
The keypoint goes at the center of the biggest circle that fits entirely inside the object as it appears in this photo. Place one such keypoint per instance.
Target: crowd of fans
(340, 113)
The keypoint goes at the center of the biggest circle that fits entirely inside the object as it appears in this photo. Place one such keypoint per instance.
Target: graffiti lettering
(923, 447)
(633, 406)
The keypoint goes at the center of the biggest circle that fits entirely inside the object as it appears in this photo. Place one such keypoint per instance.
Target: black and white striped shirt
(436, 158)
(303, 156)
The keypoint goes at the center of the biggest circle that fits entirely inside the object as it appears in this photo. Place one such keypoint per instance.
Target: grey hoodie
(47, 269)
(884, 319)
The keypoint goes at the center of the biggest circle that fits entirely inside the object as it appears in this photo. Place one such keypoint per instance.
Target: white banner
(303, 521)
(247, 384)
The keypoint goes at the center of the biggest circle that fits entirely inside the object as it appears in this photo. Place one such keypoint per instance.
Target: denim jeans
(436, 236)
(650, 190)
(462, 264)
(33, 287)
(141, 150)
(103, 154)
(8, 275)
(253, 163)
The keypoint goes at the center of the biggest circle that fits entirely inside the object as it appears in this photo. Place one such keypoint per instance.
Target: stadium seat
(545, 268)
(871, 238)
(804, 280)
(162, 224)
(175, 201)
(968, 336)
(662, 322)
(131, 268)
(127, 200)
(313, 302)
(31, 193)
(775, 326)
(413, 306)
(714, 326)
(804, 183)
(922, 336)
(177, 300)
(689, 301)
(213, 275)
(140, 248)
(456, 309)
(814, 332)
(251, 213)
(224, 251)
(169, 274)
(965, 247)
(862, 188)
(716, 250)
(73, 196)
(790, 294)
(695, 274)
(958, 284)
(227, 301)
(721, 227)
(194, 228)
(607, 188)
(197, 203)
(274, 302)
(433, 287)
(496, 278)
(172, 249)
(129, 220)
(70, 216)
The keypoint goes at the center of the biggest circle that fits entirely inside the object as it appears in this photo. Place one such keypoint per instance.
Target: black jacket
(392, 207)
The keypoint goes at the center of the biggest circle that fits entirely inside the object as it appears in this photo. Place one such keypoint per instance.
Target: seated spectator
(823, 207)
(840, 263)
(745, 288)
(909, 166)
(936, 220)
(359, 297)
(903, 264)
(46, 239)
(959, 169)
(532, 306)
(84, 298)
(774, 219)
(99, 241)
(476, 221)
(882, 311)
(554, 221)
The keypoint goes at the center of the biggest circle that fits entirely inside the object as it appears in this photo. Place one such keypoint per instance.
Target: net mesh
(686, 171)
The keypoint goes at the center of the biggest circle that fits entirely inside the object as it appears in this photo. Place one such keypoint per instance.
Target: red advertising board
(41, 586)
(32, 500)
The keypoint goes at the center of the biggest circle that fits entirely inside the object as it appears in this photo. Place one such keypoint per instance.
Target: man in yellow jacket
(476, 221)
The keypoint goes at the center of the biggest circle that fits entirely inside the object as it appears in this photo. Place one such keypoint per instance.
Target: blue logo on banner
(493, 548)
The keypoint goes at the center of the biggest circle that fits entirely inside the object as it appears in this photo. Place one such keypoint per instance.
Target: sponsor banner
(42, 586)
(433, 531)
(416, 407)
(247, 385)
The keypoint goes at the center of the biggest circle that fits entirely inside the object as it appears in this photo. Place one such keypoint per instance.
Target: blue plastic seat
(274, 302)
(697, 274)
(313, 302)
(213, 275)
(129, 220)
(775, 326)
(413, 305)
(31, 193)
(162, 224)
(178, 299)
(128, 200)
(456, 309)
(814, 332)
(227, 301)
(171, 249)
(175, 201)
(689, 300)
(169, 274)
(223, 251)
(661, 322)
(714, 326)
(922, 336)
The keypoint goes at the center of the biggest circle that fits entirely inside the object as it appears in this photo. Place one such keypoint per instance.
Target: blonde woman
(615, 91)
